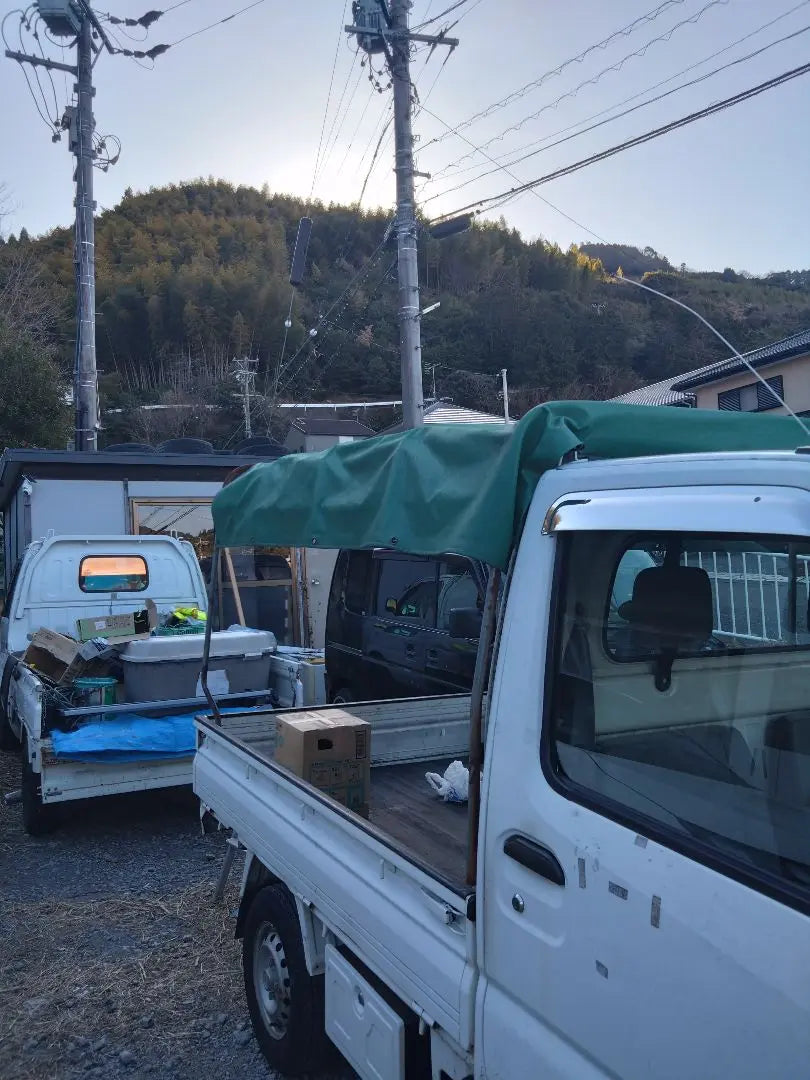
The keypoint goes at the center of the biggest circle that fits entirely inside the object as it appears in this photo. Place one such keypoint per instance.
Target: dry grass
(125, 969)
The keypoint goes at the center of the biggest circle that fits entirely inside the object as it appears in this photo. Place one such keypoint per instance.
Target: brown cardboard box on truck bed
(330, 750)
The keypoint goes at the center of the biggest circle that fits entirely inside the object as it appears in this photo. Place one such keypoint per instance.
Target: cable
(499, 166)
(664, 296)
(328, 100)
(508, 171)
(495, 201)
(369, 100)
(693, 19)
(438, 174)
(447, 11)
(357, 279)
(374, 158)
(211, 26)
(336, 129)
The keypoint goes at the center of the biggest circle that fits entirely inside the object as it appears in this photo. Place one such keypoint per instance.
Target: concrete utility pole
(410, 327)
(380, 30)
(75, 19)
(245, 372)
(85, 375)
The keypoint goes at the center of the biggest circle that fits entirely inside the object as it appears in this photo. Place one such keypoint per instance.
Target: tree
(33, 406)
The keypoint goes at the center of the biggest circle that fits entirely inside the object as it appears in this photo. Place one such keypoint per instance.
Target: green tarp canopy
(461, 488)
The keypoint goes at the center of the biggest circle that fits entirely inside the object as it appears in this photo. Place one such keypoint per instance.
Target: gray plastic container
(166, 668)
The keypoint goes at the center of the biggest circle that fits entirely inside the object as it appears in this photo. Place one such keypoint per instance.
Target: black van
(402, 625)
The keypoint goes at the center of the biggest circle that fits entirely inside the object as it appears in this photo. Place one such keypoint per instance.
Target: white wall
(77, 508)
(99, 507)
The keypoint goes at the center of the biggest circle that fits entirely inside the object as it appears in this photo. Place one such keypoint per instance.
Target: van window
(407, 590)
(357, 589)
(680, 698)
(113, 573)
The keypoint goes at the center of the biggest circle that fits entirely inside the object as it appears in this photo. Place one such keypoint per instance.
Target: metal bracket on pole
(38, 61)
(395, 35)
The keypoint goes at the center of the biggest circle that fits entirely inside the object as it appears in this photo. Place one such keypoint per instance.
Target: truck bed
(407, 741)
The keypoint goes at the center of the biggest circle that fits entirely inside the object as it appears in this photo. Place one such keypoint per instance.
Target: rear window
(113, 573)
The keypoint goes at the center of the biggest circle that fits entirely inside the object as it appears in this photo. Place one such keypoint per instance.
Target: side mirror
(465, 623)
(391, 605)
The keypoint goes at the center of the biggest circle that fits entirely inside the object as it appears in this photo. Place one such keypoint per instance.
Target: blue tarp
(128, 737)
(131, 737)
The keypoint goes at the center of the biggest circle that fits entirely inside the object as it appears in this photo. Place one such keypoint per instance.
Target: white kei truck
(144, 739)
(627, 893)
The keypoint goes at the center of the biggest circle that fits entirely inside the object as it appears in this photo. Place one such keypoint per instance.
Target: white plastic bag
(454, 785)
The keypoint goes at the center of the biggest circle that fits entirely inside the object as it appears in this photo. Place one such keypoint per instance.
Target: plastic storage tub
(167, 668)
(289, 664)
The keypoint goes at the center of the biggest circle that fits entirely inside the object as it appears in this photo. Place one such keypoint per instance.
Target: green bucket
(98, 690)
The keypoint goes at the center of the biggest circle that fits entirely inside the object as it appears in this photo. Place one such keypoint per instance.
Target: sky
(248, 101)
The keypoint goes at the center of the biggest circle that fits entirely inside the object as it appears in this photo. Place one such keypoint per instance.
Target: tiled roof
(442, 412)
(329, 425)
(675, 390)
(659, 393)
(769, 354)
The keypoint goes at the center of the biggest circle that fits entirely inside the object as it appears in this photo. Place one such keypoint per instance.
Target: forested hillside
(191, 275)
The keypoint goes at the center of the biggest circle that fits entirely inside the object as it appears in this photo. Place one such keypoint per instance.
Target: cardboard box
(330, 750)
(61, 659)
(132, 626)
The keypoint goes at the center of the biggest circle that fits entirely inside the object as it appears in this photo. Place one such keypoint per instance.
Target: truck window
(407, 590)
(113, 573)
(679, 702)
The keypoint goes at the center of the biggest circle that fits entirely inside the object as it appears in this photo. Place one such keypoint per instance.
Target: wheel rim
(271, 980)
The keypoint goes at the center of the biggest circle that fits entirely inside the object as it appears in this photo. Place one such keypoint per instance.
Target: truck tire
(8, 740)
(344, 696)
(38, 819)
(285, 1002)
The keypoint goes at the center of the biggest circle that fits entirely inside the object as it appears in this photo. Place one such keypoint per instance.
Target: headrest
(672, 602)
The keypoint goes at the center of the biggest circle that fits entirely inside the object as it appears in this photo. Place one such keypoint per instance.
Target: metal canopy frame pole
(488, 624)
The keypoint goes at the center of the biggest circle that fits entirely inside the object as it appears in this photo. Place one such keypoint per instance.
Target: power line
(443, 14)
(336, 128)
(508, 171)
(500, 166)
(495, 201)
(328, 99)
(523, 91)
(438, 174)
(211, 26)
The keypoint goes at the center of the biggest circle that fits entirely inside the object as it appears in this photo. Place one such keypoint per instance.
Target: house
(146, 493)
(444, 412)
(730, 385)
(308, 433)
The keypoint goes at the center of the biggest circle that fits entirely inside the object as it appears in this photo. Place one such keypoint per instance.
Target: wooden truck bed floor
(402, 804)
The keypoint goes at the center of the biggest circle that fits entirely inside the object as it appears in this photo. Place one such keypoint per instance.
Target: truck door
(646, 843)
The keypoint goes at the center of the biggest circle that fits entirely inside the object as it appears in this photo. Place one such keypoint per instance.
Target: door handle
(535, 857)
(433, 654)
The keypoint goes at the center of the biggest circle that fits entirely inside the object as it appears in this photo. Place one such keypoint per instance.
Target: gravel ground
(114, 961)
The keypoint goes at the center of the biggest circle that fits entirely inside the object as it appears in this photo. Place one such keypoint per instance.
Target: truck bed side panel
(409, 928)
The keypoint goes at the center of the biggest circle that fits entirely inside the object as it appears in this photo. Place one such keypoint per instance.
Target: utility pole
(246, 377)
(75, 19)
(85, 375)
(383, 30)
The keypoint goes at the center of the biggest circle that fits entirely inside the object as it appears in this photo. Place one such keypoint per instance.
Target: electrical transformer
(369, 14)
(62, 18)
